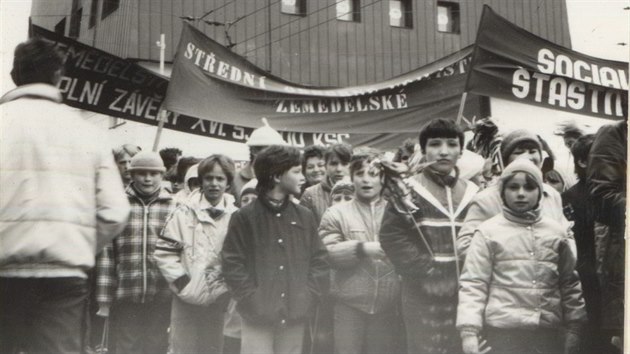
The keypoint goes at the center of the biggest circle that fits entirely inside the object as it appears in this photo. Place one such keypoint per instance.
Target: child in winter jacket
(188, 255)
(519, 285)
(273, 261)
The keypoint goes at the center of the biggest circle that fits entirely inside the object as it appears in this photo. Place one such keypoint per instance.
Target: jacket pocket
(196, 291)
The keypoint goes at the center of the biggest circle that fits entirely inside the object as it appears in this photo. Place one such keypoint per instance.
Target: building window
(60, 28)
(293, 7)
(448, 17)
(349, 10)
(109, 6)
(93, 14)
(400, 14)
(75, 23)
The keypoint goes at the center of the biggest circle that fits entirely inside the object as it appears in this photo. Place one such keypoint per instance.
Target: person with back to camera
(61, 202)
(519, 285)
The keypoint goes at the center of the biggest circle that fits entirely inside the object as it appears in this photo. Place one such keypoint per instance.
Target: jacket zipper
(144, 251)
(449, 197)
(375, 263)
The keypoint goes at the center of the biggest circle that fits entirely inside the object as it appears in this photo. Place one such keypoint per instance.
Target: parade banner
(211, 82)
(512, 63)
(100, 82)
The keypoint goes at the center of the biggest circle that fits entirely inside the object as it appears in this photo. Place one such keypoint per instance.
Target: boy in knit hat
(273, 261)
(486, 204)
(517, 259)
(127, 277)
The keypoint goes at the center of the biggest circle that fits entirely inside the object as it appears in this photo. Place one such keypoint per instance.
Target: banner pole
(162, 117)
(460, 113)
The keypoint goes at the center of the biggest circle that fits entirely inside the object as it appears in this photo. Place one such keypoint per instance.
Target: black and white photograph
(313, 177)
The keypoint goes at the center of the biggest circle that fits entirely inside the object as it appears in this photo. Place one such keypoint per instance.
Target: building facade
(321, 43)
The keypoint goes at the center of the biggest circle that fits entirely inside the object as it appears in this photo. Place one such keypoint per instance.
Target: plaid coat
(125, 270)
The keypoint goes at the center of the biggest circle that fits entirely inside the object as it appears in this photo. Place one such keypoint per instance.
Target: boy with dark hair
(274, 263)
(317, 197)
(364, 284)
(61, 202)
(421, 243)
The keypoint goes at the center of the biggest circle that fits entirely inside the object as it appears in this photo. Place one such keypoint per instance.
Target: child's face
(315, 170)
(123, 163)
(147, 182)
(367, 182)
(337, 170)
(526, 150)
(520, 194)
(292, 180)
(248, 198)
(444, 151)
(214, 184)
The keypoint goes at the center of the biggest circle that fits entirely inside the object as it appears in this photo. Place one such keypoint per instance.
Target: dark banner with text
(211, 82)
(512, 63)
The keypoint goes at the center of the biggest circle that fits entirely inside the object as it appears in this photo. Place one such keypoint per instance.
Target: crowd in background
(326, 249)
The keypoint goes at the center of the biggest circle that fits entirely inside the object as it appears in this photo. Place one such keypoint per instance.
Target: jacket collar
(162, 196)
(41, 91)
(268, 205)
(200, 205)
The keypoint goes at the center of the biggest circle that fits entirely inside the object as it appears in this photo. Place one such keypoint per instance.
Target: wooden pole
(162, 117)
(462, 103)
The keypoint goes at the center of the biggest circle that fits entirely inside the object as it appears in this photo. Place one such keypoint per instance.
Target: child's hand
(470, 345)
(373, 250)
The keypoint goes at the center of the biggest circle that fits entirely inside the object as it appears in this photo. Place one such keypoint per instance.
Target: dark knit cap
(514, 139)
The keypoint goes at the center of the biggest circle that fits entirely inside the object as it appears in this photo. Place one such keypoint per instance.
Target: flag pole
(162, 116)
(462, 103)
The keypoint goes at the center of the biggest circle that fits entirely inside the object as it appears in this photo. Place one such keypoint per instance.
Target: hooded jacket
(371, 286)
(61, 197)
(190, 245)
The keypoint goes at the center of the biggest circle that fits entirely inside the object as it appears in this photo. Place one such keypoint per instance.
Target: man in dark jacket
(606, 181)
(273, 260)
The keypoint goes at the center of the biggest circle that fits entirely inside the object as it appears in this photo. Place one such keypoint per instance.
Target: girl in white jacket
(188, 255)
(519, 283)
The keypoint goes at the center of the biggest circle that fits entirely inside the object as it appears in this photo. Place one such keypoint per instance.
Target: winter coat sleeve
(169, 247)
(606, 174)
(573, 309)
(106, 275)
(319, 269)
(236, 255)
(112, 206)
(474, 285)
(342, 253)
(396, 237)
(477, 213)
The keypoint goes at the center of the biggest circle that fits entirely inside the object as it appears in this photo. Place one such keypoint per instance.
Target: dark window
(60, 28)
(75, 23)
(448, 17)
(93, 14)
(400, 13)
(348, 10)
(293, 7)
(109, 6)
